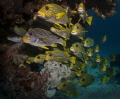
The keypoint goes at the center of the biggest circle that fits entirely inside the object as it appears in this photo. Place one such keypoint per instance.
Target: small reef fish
(88, 42)
(53, 13)
(83, 14)
(110, 71)
(105, 79)
(61, 31)
(72, 76)
(97, 58)
(96, 48)
(81, 72)
(78, 31)
(69, 88)
(59, 56)
(78, 65)
(102, 68)
(40, 58)
(40, 37)
(15, 38)
(86, 80)
(111, 57)
(89, 52)
(78, 50)
(103, 39)
(19, 30)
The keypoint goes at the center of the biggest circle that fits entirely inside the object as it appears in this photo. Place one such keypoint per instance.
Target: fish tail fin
(73, 59)
(89, 21)
(79, 20)
(62, 42)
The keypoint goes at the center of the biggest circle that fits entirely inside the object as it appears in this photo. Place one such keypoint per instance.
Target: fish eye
(46, 8)
(82, 72)
(64, 84)
(38, 57)
(76, 45)
(30, 34)
(77, 27)
(83, 79)
(55, 64)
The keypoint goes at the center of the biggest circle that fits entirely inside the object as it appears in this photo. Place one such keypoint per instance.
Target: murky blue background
(109, 27)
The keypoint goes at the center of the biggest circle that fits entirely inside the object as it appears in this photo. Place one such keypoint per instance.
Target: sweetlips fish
(59, 56)
(103, 39)
(69, 88)
(86, 80)
(19, 32)
(111, 57)
(53, 13)
(81, 72)
(97, 58)
(105, 79)
(110, 71)
(104, 60)
(96, 48)
(78, 30)
(102, 68)
(83, 14)
(78, 49)
(78, 65)
(89, 52)
(40, 58)
(15, 38)
(88, 42)
(61, 31)
(40, 37)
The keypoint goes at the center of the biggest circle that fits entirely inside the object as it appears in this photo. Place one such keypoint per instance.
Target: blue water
(109, 27)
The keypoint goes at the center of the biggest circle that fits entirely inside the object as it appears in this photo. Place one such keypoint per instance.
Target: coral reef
(13, 56)
(42, 83)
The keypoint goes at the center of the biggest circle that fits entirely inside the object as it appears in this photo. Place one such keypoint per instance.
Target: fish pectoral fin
(44, 47)
(89, 21)
(59, 15)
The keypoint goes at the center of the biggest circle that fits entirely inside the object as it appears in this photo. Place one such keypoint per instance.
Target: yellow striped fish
(53, 13)
(59, 56)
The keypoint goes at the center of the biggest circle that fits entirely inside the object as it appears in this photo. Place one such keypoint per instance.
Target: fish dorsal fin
(44, 47)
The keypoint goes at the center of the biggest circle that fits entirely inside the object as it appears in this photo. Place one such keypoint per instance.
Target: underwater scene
(59, 49)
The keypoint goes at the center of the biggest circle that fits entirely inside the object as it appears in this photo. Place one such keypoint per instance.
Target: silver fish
(14, 38)
(40, 37)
